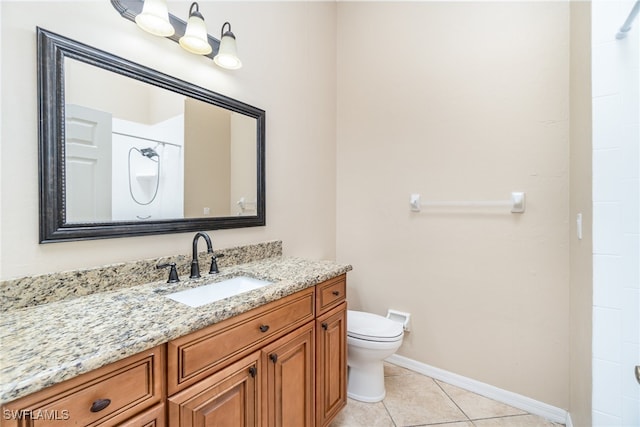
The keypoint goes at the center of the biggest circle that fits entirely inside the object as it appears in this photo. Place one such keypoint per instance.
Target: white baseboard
(516, 400)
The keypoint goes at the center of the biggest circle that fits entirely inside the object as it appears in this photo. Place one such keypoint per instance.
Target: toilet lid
(372, 327)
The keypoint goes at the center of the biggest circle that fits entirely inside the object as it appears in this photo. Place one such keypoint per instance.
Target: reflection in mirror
(145, 158)
(126, 150)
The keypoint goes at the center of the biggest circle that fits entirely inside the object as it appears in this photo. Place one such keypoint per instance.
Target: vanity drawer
(331, 293)
(106, 396)
(197, 355)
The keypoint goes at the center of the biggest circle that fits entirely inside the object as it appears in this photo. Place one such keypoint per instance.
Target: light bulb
(227, 56)
(195, 39)
(154, 18)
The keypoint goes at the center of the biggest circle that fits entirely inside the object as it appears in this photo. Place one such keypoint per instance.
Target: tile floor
(417, 400)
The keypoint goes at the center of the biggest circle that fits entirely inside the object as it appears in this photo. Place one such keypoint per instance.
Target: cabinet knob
(264, 328)
(336, 293)
(100, 404)
(325, 326)
(273, 357)
(253, 371)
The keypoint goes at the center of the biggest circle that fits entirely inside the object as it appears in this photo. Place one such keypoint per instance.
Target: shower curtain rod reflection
(626, 27)
(147, 139)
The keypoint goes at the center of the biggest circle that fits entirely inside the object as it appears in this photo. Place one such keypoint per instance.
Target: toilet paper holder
(401, 317)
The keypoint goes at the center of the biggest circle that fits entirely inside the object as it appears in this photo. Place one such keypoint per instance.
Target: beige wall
(288, 51)
(580, 202)
(102, 90)
(243, 159)
(451, 100)
(460, 101)
(207, 151)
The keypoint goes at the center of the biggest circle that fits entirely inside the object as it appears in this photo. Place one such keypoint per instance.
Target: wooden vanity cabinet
(196, 356)
(331, 364)
(280, 365)
(331, 349)
(272, 384)
(114, 394)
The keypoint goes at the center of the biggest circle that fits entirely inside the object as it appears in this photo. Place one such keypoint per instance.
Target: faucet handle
(214, 263)
(173, 273)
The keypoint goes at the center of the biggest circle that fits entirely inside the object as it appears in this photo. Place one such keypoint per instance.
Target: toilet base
(366, 399)
(365, 382)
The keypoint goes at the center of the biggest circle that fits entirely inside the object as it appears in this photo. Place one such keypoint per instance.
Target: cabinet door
(289, 386)
(154, 417)
(228, 398)
(331, 364)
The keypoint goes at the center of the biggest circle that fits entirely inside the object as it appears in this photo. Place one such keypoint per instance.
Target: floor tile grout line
(468, 421)
(446, 394)
(384, 405)
(451, 398)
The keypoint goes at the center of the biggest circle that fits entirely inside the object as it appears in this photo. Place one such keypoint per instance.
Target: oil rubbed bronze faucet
(195, 267)
(173, 273)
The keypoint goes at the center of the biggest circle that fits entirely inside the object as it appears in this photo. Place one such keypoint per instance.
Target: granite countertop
(50, 343)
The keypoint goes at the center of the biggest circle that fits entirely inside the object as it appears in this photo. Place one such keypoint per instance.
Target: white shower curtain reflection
(147, 170)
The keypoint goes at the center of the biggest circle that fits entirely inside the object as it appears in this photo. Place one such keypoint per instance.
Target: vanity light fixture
(195, 35)
(227, 56)
(154, 18)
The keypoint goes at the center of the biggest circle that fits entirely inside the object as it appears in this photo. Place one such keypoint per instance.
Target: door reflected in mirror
(160, 155)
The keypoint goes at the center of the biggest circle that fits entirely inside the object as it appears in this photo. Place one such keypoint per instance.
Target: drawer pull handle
(273, 357)
(325, 326)
(100, 404)
(264, 328)
(336, 293)
(253, 371)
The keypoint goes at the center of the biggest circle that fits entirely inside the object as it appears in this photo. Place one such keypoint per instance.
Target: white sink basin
(217, 291)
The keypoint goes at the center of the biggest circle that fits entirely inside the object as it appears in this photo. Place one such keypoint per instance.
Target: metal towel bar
(516, 203)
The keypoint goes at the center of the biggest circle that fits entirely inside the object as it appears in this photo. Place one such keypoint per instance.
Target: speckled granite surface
(35, 290)
(49, 343)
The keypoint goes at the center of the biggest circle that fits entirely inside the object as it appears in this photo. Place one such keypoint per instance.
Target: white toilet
(370, 339)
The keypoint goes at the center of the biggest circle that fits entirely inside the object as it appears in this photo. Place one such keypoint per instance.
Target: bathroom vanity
(275, 356)
(290, 364)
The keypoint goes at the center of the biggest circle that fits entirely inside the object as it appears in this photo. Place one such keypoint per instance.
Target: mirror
(126, 150)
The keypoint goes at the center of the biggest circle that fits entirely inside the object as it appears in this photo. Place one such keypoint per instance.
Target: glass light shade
(154, 18)
(195, 39)
(227, 56)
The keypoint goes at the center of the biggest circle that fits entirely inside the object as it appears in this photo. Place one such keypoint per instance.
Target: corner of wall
(581, 257)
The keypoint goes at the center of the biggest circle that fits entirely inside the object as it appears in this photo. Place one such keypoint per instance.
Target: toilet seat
(372, 327)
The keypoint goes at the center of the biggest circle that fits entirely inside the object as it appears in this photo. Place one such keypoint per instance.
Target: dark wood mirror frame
(52, 51)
